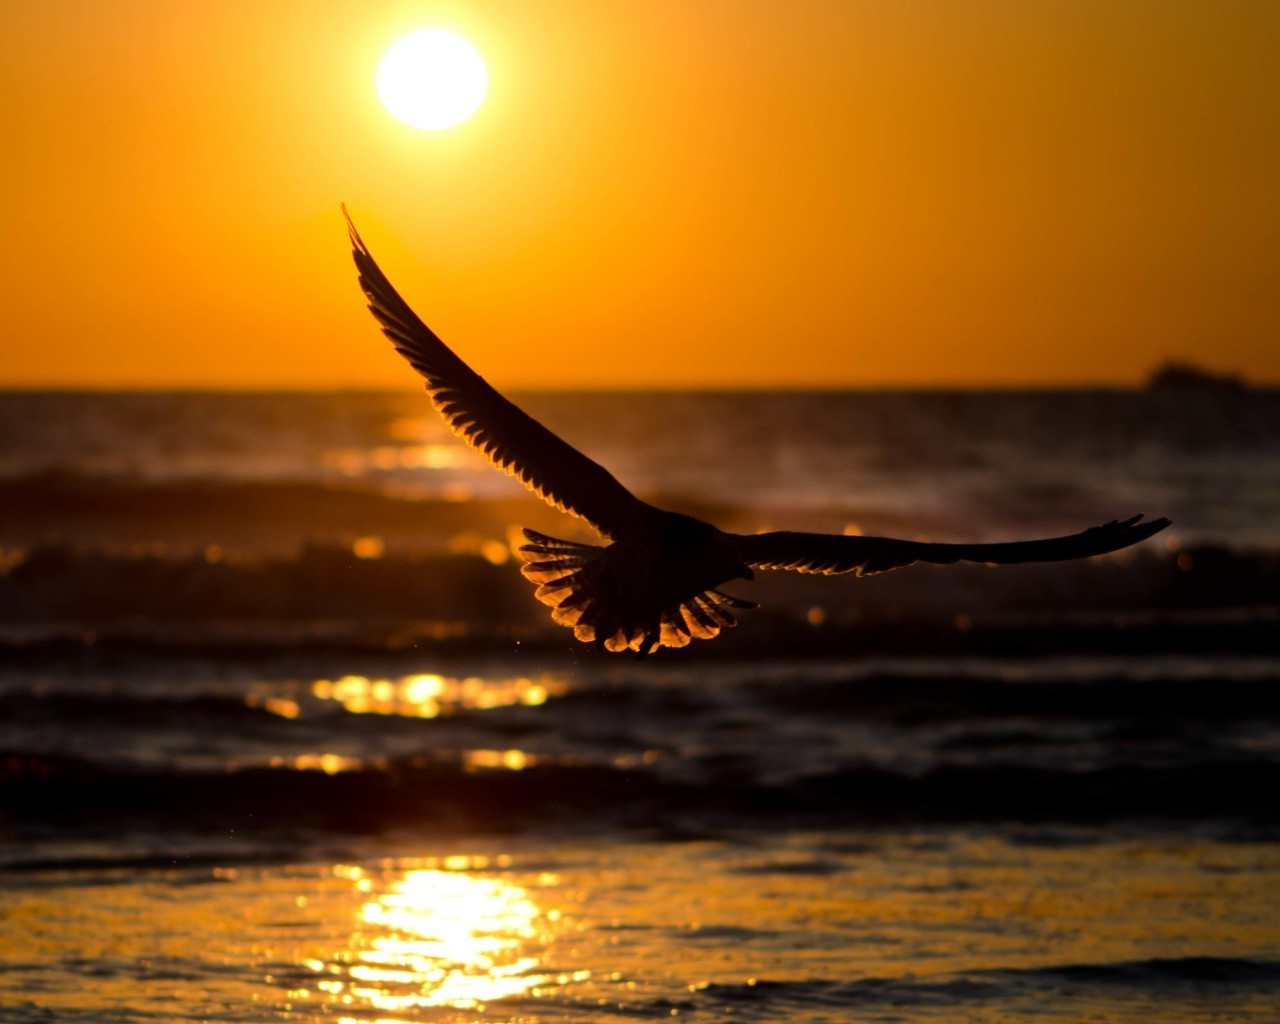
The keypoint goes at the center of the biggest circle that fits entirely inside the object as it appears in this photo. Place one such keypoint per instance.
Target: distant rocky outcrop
(1187, 377)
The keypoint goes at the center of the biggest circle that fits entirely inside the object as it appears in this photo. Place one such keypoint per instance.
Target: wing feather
(831, 554)
(508, 437)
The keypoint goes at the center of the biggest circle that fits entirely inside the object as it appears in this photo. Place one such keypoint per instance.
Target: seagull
(656, 583)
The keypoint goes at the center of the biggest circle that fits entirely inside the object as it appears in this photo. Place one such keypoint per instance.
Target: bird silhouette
(656, 584)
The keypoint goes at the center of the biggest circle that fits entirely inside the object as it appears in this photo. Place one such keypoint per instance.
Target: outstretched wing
(511, 439)
(831, 553)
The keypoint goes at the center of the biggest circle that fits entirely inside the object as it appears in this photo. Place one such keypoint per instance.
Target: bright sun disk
(432, 79)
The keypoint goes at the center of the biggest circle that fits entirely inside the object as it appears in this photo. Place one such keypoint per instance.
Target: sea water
(284, 736)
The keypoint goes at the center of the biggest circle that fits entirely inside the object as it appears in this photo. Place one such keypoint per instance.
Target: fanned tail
(565, 574)
(580, 585)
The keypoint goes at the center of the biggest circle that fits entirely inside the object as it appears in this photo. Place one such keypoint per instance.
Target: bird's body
(656, 584)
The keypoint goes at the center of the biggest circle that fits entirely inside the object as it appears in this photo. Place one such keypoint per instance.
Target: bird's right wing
(831, 553)
(510, 438)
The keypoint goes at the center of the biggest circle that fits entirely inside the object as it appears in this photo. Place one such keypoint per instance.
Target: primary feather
(507, 436)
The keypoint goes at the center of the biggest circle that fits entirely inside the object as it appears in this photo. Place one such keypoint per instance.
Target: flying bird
(656, 583)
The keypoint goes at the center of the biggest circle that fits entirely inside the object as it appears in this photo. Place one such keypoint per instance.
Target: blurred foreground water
(284, 735)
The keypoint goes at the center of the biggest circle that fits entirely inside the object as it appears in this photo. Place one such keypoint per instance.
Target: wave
(239, 518)
(1161, 973)
(467, 587)
(909, 698)
(264, 470)
(498, 794)
(1220, 976)
(1232, 981)
(997, 712)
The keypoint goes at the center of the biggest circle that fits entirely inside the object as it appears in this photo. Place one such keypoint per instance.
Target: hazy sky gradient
(668, 193)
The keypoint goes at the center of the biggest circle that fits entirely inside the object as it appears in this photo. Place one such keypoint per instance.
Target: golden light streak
(428, 695)
(472, 542)
(442, 938)
(330, 764)
(360, 461)
(511, 760)
(369, 547)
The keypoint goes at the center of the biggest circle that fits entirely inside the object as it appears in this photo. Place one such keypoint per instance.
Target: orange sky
(675, 193)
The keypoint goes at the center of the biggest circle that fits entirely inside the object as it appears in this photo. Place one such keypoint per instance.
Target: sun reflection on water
(330, 764)
(440, 937)
(511, 760)
(428, 695)
(361, 461)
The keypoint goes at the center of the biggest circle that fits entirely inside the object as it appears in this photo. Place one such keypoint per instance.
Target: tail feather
(723, 601)
(701, 620)
(549, 571)
(567, 615)
(540, 543)
(547, 592)
(671, 634)
(554, 564)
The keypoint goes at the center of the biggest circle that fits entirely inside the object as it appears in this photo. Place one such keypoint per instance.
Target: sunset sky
(674, 193)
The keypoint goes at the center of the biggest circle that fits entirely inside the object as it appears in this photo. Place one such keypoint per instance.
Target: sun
(432, 79)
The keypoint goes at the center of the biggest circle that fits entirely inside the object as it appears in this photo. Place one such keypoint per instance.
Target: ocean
(284, 735)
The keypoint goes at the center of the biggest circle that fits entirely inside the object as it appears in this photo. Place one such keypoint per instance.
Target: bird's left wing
(510, 438)
(831, 553)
